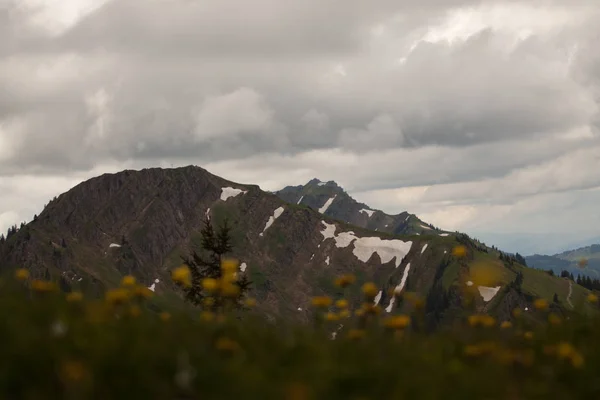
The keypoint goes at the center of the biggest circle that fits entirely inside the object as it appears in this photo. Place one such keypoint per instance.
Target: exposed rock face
(142, 222)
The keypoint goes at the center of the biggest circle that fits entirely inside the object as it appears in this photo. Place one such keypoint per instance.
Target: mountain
(333, 201)
(142, 222)
(570, 260)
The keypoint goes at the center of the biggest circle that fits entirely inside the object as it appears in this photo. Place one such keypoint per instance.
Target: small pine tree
(555, 298)
(217, 244)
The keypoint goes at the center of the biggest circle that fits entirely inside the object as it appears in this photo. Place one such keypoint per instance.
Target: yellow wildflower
(182, 276)
(230, 290)
(74, 297)
(210, 285)
(128, 281)
(226, 344)
(229, 265)
(355, 334)
(142, 292)
(165, 316)
(135, 310)
(250, 302)
(541, 304)
(372, 309)
(321, 301)
(517, 313)
(330, 316)
(42, 286)
(370, 290)
(22, 274)
(344, 313)
(592, 298)
(207, 316)
(341, 304)
(582, 263)
(397, 322)
(528, 335)
(116, 296)
(208, 301)
(459, 251)
(554, 319)
(73, 371)
(345, 280)
(360, 312)
(577, 360)
(472, 350)
(506, 325)
(481, 320)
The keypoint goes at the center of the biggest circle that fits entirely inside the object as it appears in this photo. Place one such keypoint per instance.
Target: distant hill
(571, 261)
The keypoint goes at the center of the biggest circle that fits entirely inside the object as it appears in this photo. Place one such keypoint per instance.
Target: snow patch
(228, 192)
(153, 286)
(322, 183)
(444, 234)
(327, 204)
(469, 283)
(391, 305)
(424, 248)
(364, 247)
(311, 257)
(407, 217)
(327, 260)
(276, 214)
(424, 227)
(488, 293)
(399, 288)
(368, 212)
(378, 297)
(299, 308)
(299, 201)
(114, 245)
(243, 267)
(207, 213)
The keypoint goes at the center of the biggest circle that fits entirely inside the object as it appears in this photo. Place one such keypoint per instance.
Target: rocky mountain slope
(581, 261)
(142, 222)
(333, 201)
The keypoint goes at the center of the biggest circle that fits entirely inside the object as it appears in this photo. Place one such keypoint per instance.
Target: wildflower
(116, 296)
(321, 301)
(42, 286)
(164, 316)
(459, 251)
(472, 350)
(181, 275)
(345, 280)
(554, 319)
(207, 316)
(484, 274)
(73, 371)
(250, 302)
(330, 316)
(592, 298)
(372, 309)
(517, 313)
(128, 281)
(208, 301)
(528, 335)
(481, 320)
(74, 297)
(360, 312)
(210, 285)
(344, 314)
(565, 350)
(397, 322)
(142, 292)
(135, 311)
(22, 274)
(229, 265)
(355, 334)
(226, 345)
(230, 290)
(341, 304)
(370, 290)
(541, 304)
(506, 325)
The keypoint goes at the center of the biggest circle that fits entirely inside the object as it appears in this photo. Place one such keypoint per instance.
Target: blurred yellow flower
(345, 280)
(182, 276)
(397, 322)
(128, 281)
(517, 312)
(592, 298)
(229, 265)
(207, 316)
(321, 301)
(142, 292)
(22, 274)
(74, 297)
(541, 304)
(484, 274)
(582, 263)
(341, 304)
(250, 302)
(344, 313)
(210, 285)
(135, 310)
(230, 290)
(330, 316)
(459, 251)
(554, 319)
(165, 316)
(208, 301)
(42, 286)
(355, 334)
(116, 296)
(528, 335)
(73, 371)
(481, 320)
(226, 344)
(369, 290)
(506, 325)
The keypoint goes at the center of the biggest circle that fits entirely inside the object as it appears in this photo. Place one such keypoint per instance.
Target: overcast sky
(482, 117)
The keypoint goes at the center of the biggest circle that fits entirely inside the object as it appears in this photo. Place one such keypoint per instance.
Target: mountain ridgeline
(584, 261)
(291, 245)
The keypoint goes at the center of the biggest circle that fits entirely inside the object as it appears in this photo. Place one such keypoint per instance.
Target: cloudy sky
(477, 116)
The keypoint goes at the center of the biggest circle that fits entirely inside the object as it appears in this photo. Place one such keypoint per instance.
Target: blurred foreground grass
(55, 345)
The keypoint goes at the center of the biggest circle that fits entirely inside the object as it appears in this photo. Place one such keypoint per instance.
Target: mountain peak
(318, 182)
